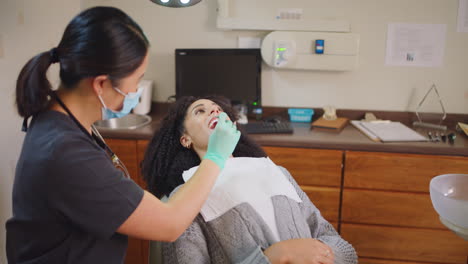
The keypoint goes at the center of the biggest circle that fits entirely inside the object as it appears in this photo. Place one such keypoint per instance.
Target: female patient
(256, 213)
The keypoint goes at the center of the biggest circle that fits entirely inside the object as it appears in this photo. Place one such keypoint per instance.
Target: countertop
(348, 139)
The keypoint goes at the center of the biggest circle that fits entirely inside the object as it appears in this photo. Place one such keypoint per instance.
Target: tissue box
(300, 114)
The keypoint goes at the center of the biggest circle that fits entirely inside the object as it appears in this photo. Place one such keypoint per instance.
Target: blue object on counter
(300, 114)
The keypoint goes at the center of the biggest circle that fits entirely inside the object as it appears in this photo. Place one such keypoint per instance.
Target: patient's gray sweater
(240, 235)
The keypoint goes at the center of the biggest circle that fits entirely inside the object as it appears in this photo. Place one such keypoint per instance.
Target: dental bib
(251, 180)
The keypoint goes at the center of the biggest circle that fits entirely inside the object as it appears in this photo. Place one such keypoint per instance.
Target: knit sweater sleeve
(190, 247)
(321, 229)
(200, 245)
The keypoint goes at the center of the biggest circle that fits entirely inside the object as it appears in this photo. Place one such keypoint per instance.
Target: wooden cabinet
(379, 201)
(387, 212)
(141, 149)
(318, 172)
(398, 172)
(389, 208)
(405, 244)
(319, 167)
(380, 261)
(131, 152)
(126, 150)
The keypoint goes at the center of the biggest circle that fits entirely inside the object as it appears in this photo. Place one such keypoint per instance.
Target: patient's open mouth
(213, 123)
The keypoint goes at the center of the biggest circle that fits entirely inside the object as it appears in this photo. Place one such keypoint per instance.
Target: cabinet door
(318, 172)
(327, 200)
(389, 208)
(398, 172)
(141, 149)
(393, 189)
(406, 244)
(387, 212)
(317, 167)
(126, 150)
(384, 261)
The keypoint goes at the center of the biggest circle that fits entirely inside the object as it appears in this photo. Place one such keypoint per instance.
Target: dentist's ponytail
(32, 86)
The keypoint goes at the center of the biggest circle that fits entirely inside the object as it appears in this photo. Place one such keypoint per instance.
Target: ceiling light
(176, 3)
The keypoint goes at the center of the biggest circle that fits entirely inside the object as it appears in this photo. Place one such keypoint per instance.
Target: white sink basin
(130, 121)
(449, 195)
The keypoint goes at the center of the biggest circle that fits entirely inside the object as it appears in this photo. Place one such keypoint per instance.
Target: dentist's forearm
(189, 199)
(155, 220)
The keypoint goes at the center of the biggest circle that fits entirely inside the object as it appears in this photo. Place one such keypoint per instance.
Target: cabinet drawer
(412, 244)
(130, 152)
(335, 225)
(126, 151)
(389, 208)
(144, 244)
(137, 251)
(309, 166)
(141, 149)
(384, 261)
(399, 172)
(326, 199)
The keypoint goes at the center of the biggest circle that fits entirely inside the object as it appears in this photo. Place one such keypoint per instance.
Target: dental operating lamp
(176, 3)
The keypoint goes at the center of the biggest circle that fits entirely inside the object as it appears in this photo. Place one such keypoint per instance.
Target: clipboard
(364, 130)
(388, 131)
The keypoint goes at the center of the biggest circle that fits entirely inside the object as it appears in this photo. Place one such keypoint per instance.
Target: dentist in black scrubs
(72, 202)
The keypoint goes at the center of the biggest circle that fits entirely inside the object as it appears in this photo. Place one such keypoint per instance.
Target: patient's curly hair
(166, 159)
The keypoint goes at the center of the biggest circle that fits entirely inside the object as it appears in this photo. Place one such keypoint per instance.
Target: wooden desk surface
(303, 137)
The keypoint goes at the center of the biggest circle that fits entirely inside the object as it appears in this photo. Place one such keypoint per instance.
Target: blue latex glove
(222, 141)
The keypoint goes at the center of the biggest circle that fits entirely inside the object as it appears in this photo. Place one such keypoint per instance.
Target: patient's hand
(303, 250)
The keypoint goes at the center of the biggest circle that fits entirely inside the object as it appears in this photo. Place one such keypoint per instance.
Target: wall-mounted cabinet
(270, 15)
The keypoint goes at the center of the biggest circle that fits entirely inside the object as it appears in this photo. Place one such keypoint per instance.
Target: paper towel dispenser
(298, 50)
(144, 105)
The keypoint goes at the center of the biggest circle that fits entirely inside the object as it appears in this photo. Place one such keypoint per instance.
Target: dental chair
(155, 253)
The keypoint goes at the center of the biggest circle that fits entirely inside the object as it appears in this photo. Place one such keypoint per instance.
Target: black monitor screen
(233, 73)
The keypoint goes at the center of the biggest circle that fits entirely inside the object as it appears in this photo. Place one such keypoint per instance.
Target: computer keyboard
(267, 128)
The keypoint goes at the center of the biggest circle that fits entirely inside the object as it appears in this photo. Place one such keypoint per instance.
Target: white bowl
(449, 195)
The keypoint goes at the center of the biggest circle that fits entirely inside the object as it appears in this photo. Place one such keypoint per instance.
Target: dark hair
(165, 159)
(98, 41)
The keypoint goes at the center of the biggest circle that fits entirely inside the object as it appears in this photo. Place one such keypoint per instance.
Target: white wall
(27, 27)
(372, 86)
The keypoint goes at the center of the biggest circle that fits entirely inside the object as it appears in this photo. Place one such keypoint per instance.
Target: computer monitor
(233, 73)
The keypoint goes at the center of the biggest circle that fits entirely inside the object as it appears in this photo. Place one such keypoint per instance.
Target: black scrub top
(68, 198)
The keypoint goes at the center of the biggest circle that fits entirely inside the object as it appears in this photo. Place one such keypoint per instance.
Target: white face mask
(130, 101)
